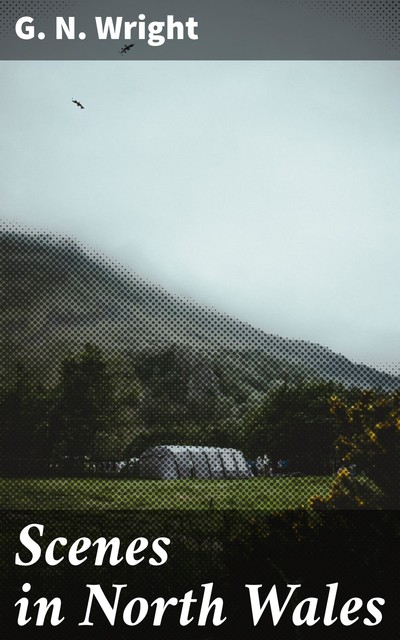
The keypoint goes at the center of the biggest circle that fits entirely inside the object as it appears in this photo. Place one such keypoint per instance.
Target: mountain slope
(57, 296)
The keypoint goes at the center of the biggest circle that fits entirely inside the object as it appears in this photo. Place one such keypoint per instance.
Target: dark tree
(24, 415)
(85, 403)
(294, 422)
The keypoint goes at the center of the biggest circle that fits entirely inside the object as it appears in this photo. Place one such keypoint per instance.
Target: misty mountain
(58, 295)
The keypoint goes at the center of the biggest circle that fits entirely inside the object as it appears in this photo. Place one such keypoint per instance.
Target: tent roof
(176, 448)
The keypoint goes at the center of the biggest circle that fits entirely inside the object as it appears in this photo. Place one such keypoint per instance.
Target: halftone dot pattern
(10, 12)
(379, 18)
(83, 335)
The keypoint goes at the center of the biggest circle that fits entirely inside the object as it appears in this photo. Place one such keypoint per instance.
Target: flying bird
(78, 104)
(126, 48)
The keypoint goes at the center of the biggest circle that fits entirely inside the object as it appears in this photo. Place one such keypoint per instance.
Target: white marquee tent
(173, 462)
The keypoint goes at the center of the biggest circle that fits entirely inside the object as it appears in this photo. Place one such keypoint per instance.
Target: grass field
(268, 494)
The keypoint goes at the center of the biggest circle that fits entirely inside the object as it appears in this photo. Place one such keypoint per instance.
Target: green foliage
(294, 422)
(114, 406)
(370, 440)
(42, 423)
(24, 411)
(85, 402)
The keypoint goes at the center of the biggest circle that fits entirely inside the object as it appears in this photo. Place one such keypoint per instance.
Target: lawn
(268, 494)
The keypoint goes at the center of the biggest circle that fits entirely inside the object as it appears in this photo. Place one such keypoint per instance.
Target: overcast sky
(269, 190)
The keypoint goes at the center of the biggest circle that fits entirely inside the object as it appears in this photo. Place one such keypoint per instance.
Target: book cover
(199, 391)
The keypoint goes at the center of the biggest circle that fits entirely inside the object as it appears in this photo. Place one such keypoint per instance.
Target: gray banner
(200, 30)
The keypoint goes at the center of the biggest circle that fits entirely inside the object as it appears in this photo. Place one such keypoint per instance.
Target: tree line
(109, 408)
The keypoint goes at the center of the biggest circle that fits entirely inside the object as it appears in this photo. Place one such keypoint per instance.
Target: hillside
(57, 296)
